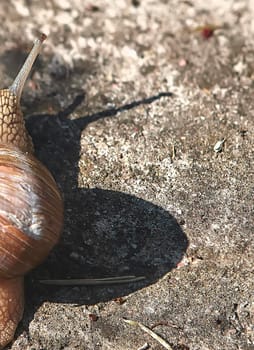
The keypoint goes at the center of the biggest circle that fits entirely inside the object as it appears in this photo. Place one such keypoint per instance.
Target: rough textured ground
(125, 105)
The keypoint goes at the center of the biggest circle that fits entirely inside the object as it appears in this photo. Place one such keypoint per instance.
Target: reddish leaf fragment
(93, 317)
(207, 32)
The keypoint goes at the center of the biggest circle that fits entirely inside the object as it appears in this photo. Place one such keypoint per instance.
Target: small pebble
(219, 146)
(144, 347)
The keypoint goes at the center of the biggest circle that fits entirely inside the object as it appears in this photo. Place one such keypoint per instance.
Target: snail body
(31, 207)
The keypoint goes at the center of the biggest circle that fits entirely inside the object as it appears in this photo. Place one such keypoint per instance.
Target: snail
(31, 207)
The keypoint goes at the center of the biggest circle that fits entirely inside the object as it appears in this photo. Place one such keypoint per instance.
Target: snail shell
(30, 219)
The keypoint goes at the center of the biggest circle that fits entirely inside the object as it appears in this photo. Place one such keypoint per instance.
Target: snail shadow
(112, 234)
(106, 233)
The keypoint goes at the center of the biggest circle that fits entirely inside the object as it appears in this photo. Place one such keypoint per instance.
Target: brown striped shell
(31, 212)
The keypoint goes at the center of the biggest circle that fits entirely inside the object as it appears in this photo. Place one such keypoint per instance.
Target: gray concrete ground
(125, 106)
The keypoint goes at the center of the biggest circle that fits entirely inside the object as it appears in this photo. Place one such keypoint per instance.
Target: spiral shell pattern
(31, 212)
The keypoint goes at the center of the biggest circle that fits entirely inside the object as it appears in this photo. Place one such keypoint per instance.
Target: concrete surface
(125, 106)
